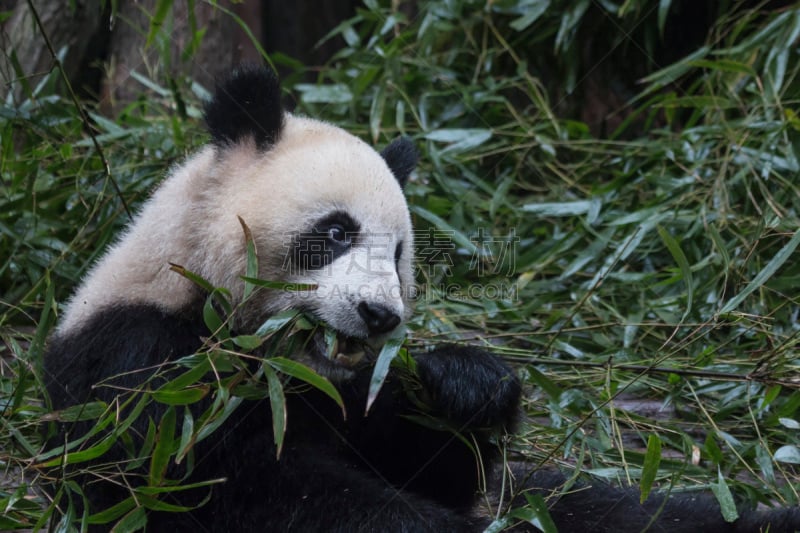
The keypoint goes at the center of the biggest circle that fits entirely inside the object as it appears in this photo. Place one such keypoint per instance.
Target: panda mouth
(339, 348)
(347, 351)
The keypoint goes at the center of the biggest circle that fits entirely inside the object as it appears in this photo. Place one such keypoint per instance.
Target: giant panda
(320, 205)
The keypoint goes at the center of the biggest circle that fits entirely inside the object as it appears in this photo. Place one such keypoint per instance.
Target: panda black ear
(401, 156)
(246, 104)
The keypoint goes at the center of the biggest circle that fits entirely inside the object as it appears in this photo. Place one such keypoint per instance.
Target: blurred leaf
(92, 452)
(86, 411)
(112, 513)
(280, 285)
(725, 498)
(570, 19)
(686, 271)
(559, 209)
(135, 520)
(247, 342)
(652, 460)
(252, 259)
(535, 512)
(162, 9)
(673, 72)
(181, 397)
(389, 351)
(276, 322)
(766, 273)
(663, 9)
(327, 94)
(533, 9)
(460, 140)
(376, 114)
(788, 454)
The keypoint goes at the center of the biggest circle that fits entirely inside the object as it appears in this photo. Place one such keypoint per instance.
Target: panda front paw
(470, 387)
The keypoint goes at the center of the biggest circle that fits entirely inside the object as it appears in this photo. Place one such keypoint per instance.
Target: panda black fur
(288, 177)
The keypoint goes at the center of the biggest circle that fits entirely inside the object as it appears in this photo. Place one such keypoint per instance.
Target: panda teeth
(349, 359)
(344, 350)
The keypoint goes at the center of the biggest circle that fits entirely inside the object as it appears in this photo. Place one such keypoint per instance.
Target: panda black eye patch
(398, 253)
(329, 238)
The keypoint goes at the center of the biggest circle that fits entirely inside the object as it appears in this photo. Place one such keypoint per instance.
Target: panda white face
(322, 206)
(324, 209)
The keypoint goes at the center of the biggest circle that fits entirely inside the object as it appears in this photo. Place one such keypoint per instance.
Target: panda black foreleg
(470, 387)
(599, 507)
(437, 450)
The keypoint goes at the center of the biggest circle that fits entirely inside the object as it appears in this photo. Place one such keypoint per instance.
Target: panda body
(294, 181)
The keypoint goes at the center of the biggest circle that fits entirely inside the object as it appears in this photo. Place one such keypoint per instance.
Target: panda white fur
(295, 181)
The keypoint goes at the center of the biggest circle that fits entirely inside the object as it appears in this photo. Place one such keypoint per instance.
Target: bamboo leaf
(535, 513)
(165, 445)
(389, 351)
(162, 9)
(683, 263)
(441, 224)
(460, 140)
(247, 342)
(652, 460)
(725, 498)
(86, 411)
(337, 93)
(210, 425)
(191, 276)
(251, 270)
(533, 11)
(277, 322)
(93, 452)
(213, 320)
(307, 375)
(135, 520)
(663, 10)
(788, 453)
(376, 114)
(277, 403)
(113, 512)
(280, 285)
(190, 377)
(186, 396)
(766, 273)
(187, 436)
(559, 209)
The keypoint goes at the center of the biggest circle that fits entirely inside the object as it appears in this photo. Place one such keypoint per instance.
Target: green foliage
(657, 262)
(654, 261)
(59, 209)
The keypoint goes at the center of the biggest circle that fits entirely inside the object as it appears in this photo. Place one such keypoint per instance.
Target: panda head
(322, 206)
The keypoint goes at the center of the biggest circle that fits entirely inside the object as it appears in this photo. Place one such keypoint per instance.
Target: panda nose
(379, 318)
